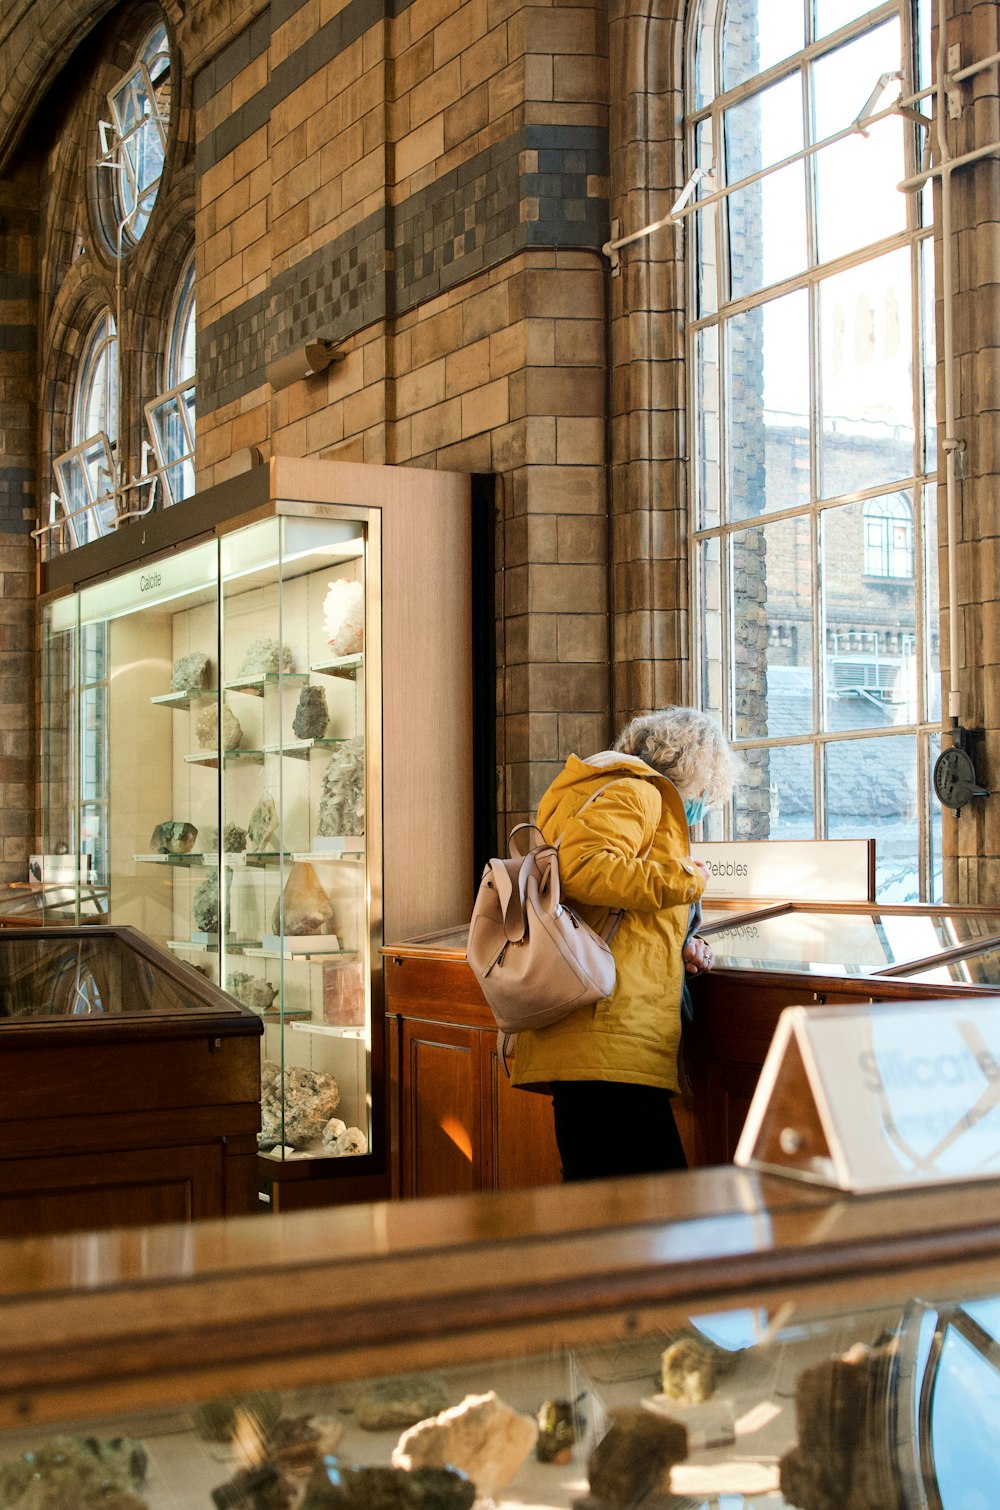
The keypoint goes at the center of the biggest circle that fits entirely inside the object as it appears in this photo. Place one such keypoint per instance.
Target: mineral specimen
(843, 1408)
(304, 905)
(633, 1461)
(234, 839)
(395, 1403)
(332, 1486)
(297, 1441)
(75, 1473)
(216, 1420)
(251, 991)
(205, 906)
(311, 714)
(262, 1488)
(346, 1143)
(263, 823)
(265, 655)
(482, 1436)
(190, 673)
(207, 728)
(172, 838)
(690, 1368)
(342, 804)
(344, 616)
(560, 1424)
(296, 1105)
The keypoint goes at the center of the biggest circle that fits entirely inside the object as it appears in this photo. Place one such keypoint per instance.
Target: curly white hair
(687, 746)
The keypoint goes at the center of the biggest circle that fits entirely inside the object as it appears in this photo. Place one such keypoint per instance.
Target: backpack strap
(616, 915)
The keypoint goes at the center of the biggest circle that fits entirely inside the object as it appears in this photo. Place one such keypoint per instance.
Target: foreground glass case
(702, 1342)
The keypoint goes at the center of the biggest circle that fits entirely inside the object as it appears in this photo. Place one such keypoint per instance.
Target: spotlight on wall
(304, 361)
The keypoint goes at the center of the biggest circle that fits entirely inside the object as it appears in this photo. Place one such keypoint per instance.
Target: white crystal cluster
(344, 617)
(342, 804)
(343, 1141)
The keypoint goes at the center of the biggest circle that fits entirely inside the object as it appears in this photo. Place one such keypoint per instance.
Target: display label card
(881, 1097)
(776, 870)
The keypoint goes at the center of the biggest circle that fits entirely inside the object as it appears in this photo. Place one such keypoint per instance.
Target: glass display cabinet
(706, 1341)
(219, 721)
(131, 1085)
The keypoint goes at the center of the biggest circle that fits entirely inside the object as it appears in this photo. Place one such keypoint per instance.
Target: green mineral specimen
(216, 1421)
(332, 1486)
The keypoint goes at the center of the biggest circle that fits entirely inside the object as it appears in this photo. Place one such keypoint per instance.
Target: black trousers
(606, 1128)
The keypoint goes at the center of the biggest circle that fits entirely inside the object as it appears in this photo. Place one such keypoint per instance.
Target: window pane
(866, 383)
(929, 339)
(871, 791)
(776, 799)
(935, 842)
(707, 426)
(764, 128)
(757, 34)
(771, 630)
(706, 227)
(768, 387)
(870, 619)
(709, 588)
(857, 199)
(767, 231)
(831, 15)
(932, 607)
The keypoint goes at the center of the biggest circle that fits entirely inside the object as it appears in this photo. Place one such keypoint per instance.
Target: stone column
(972, 842)
(649, 476)
(18, 431)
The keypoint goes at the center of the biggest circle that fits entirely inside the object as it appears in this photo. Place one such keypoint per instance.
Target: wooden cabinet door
(518, 1135)
(442, 1094)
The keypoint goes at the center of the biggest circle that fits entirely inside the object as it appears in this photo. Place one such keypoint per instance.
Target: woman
(612, 1069)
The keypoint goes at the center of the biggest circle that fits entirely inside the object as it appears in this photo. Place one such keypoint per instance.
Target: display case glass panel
(795, 937)
(207, 757)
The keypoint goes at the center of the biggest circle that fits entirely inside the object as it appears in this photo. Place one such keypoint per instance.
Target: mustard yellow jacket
(632, 1035)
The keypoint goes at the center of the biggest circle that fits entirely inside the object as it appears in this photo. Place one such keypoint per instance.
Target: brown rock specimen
(844, 1411)
(631, 1464)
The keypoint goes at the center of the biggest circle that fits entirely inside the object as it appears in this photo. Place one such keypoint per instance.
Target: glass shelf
(315, 951)
(211, 757)
(258, 682)
(186, 698)
(301, 749)
(327, 1030)
(346, 666)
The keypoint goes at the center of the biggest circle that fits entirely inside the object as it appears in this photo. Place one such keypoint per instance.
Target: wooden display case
(131, 1086)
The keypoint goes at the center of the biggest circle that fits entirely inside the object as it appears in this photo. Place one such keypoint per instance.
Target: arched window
(811, 387)
(171, 415)
(889, 537)
(85, 474)
(134, 141)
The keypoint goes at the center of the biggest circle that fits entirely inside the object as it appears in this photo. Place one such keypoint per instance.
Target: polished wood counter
(111, 1322)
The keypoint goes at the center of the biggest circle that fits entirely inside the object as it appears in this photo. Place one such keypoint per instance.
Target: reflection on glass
(866, 384)
(771, 629)
(871, 791)
(72, 977)
(768, 401)
(707, 426)
(871, 648)
(758, 34)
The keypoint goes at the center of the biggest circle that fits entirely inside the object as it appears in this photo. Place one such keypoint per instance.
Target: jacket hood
(587, 775)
